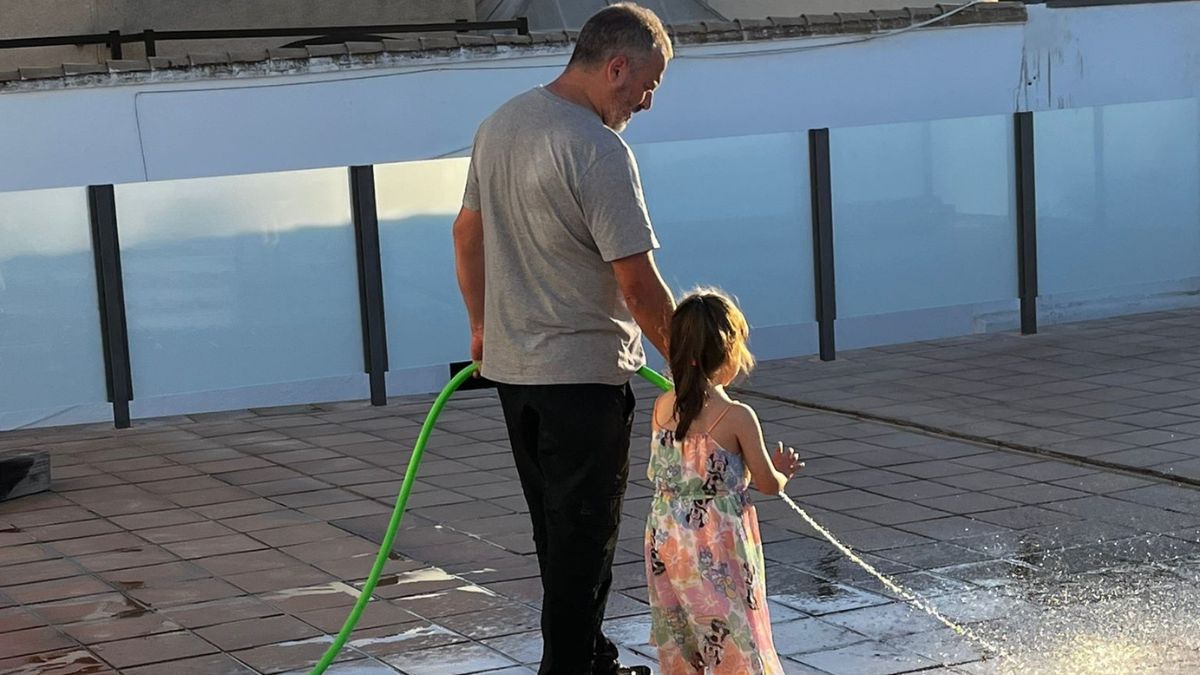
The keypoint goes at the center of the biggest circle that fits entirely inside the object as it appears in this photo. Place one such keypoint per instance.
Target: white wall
(1061, 58)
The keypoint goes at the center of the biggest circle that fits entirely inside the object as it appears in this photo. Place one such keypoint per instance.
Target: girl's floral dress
(704, 561)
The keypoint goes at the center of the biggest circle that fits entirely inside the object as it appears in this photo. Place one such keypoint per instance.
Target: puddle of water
(420, 631)
(70, 663)
(911, 598)
(1135, 620)
(305, 591)
(318, 640)
(417, 576)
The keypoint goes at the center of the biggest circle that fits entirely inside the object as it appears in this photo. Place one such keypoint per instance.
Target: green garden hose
(410, 477)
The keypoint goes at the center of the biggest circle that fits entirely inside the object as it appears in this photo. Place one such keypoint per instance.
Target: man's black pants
(571, 446)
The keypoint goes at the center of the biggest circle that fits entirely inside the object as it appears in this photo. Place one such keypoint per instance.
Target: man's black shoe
(634, 670)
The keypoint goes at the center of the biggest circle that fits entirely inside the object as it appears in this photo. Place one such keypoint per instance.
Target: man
(553, 248)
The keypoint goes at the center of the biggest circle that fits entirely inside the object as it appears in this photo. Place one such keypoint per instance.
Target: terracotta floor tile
(152, 649)
(220, 495)
(244, 507)
(109, 630)
(25, 553)
(160, 474)
(138, 577)
(62, 514)
(83, 528)
(377, 613)
(250, 561)
(45, 591)
(34, 641)
(98, 544)
(333, 549)
(123, 507)
(88, 608)
(215, 612)
(44, 570)
(172, 593)
(43, 500)
(279, 578)
(276, 519)
(177, 485)
(257, 632)
(18, 618)
(108, 494)
(298, 534)
(214, 546)
(215, 664)
(145, 521)
(348, 510)
(188, 532)
(138, 556)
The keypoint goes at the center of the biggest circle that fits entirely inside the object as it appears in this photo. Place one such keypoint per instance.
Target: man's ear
(617, 68)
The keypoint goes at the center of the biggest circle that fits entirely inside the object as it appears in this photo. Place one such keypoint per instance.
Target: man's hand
(647, 297)
(477, 349)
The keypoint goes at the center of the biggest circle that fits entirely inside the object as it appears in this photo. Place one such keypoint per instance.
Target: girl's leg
(670, 630)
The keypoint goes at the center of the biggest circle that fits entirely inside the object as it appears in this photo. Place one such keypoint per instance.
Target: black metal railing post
(106, 251)
(1027, 267)
(148, 43)
(115, 43)
(822, 231)
(370, 279)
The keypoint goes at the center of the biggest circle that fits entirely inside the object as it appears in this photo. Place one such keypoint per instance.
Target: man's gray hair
(623, 28)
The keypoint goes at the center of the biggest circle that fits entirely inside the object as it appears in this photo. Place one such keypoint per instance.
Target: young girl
(704, 560)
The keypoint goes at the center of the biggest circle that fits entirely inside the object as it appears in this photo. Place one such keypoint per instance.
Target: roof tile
(438, 41)
(127, 65)
(209, 59)
(41, 72)
(283, 53)
(688, 28)
(890, 19)
(789, 21)
(363, 48)
(920, 14)
(864, 22)
(9, 75)
(824, 24)
(475, 41)
(83, 68)
(327, 50)
(409, 44)
(549, 37)
(514, 40)
(249, 56)
(161, 62)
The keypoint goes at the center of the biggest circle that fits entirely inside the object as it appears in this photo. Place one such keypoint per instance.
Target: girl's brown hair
(708, 331)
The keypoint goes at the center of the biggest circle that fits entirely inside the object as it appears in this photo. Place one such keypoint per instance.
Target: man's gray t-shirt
(561, 199)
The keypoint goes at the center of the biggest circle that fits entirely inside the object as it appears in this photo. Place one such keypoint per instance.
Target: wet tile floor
(236, 543)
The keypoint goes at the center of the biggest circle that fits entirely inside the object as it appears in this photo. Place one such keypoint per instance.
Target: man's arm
(468, 264)
(647, 297)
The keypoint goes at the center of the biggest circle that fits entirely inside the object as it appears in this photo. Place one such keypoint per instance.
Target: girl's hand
(786, 461)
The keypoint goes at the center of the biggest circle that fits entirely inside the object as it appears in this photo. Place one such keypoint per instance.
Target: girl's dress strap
(719, 418)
